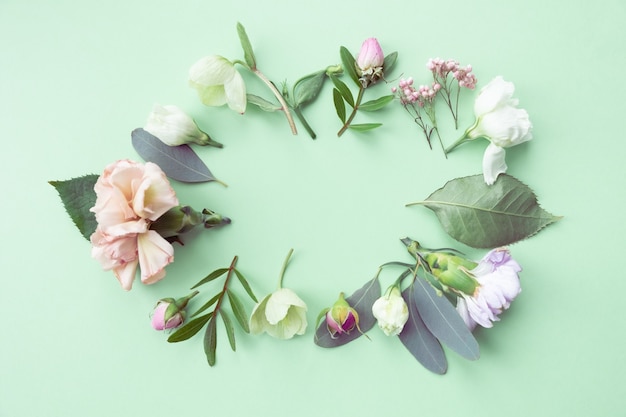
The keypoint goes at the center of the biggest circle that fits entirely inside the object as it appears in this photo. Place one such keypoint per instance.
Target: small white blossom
(174, 127)
(391, 312)
(218, 83)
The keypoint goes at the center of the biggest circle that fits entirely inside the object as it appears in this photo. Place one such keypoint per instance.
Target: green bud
(182, 219)
(334, 70)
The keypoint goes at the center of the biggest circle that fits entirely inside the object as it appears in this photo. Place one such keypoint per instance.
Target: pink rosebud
(369, 62)
(170, 313)
(341, 318)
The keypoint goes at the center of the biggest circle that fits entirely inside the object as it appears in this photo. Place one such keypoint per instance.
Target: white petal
(258, 322)
(211, 70)
(493, 95)
(493, 163)
(235, 90)
(279, 303)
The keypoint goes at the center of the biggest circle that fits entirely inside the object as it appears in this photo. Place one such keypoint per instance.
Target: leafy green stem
(278, 96)
(346, 125)
(231, 269)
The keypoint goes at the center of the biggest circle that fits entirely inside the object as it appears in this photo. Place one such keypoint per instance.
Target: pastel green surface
(77, 77)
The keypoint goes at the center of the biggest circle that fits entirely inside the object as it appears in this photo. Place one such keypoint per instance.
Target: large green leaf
(78, 196)
(307, 88)
(488, 216)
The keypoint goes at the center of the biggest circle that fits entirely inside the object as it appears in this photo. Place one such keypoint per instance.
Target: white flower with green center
(218, 83)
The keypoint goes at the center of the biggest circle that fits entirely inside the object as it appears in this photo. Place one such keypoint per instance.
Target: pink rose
(130, 196)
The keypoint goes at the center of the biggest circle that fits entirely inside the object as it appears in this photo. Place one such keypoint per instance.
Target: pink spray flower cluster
(441, 69)
(410, 95)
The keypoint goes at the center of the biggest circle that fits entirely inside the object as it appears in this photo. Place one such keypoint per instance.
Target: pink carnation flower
(130, 196)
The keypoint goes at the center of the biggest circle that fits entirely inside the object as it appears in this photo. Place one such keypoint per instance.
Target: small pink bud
(371, 55)
(341, 318)
(170, 313)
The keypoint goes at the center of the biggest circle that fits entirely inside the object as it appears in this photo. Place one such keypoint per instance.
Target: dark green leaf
(245, 285)
(208, 304)
(189, 329)
(443, 321)
(308, 87)
(178, 162)
(362, 301)
(78, 196)
(238, 311)
(248, 53)
(230, 330)
(349, 64)
(344, 90)
(213, 275)
(210, 341)
(263, 104)
(390, 61)
(339, 105)
(377, 104)
(419, 340)
(362, 127)
(483, 216)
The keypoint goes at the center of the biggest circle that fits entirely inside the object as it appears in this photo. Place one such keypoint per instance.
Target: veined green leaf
(344, 90)
(443, 321)
(362, 127)
(210, 341)
(339, 105)
(230, 330)
(377, 104)
(349, 64)
(213, 275)
(483, 216)
(308, 87)
(248, 53)
(208, 304)
(263, 104)
(390, 61)
(178, 162)
(362, 301)
(189, 329)
(245, 285)
(78, 196)
(238, 310)
(419, 340)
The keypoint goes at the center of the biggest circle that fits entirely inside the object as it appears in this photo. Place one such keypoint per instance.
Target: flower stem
(459, 141)
(231, 268)
(304, 122)
(279, 97)
(284, 268)
(346, 125)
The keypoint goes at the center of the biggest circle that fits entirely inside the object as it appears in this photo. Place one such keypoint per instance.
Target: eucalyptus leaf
(419, 340)
(238, 310)
(213, 275)
(344, 90)
(488, 216)
(178, 162)
(339, 105)
(363, 127)
(307, 88)
(208, 304)
(189, 329)
(390, 61)
(248, 53)
(262, 103)
(377, 104)
(210, 341)
(78, 196)
(362, 301)
(443, 321)
(245, 285)
(230, 330)
(349, 64)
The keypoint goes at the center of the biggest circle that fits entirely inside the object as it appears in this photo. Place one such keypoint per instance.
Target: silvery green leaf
(230, 329)
(208, 304)
(419, 340)
(178, 162)
(308, 87)
(390, 61)
(78, 196)
(238, 310)
(263, 104)
(213, 275)
(443, 321)
(488, 216)
(362, 301)
(245, 285)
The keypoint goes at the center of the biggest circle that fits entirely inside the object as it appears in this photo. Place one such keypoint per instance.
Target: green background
(77, 77)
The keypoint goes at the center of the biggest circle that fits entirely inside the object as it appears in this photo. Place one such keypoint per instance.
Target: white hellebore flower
(218, 83)
(174, 127)
(498, 285)
(391, 311)
(282, 314)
